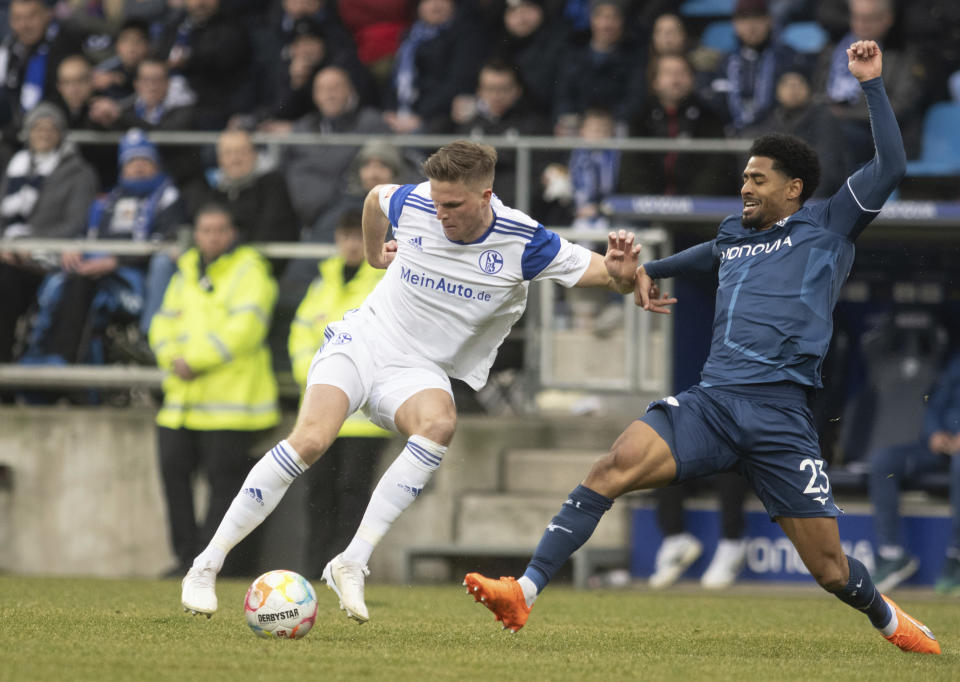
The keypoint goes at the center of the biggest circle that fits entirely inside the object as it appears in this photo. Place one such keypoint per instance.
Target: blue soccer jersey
(777, 287)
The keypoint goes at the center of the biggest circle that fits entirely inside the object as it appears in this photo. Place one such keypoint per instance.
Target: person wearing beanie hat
(144, 206)
(45, 111)
(136, 145)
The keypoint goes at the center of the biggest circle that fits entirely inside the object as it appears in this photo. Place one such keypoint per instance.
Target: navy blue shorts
(764, 431)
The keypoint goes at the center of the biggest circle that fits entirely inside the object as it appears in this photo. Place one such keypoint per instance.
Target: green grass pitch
(89, 629)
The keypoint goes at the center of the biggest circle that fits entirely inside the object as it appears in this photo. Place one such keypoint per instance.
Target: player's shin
(569, 529)
(399, 486)
(862, 594)
(262, 490)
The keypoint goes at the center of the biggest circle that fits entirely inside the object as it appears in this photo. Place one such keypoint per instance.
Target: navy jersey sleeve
(699, 258)
(859, 201)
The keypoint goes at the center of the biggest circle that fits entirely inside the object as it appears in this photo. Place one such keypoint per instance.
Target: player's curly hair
(463, 161)
(791, 156)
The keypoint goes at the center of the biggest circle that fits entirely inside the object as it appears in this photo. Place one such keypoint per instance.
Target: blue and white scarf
(12, 53)
(405, 71)
(842, 86)
(26, 173)
(149, 193)
(593, 174)
(151, 116)
(751, 75)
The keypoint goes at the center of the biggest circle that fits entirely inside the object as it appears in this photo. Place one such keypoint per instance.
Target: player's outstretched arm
(375, 225)
(617, 269)
(872, 184)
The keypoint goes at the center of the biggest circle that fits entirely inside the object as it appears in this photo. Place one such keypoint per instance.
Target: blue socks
(862, 594)
(568, 530)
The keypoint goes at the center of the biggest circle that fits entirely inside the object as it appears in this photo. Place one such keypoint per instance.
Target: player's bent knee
(439, 428)
(310, 443)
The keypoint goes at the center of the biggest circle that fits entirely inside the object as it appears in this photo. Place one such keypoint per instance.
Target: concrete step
(519, 519)
(546, 471)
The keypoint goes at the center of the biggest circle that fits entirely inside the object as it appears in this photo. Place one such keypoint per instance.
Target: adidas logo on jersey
(416, 242)
(255, 494)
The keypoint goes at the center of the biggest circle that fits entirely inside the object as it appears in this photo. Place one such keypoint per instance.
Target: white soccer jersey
(453, 302)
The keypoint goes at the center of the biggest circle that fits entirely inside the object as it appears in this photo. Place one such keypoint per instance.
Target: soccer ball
(281, 604)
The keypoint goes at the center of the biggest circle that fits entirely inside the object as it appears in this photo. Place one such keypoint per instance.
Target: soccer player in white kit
(457, 276)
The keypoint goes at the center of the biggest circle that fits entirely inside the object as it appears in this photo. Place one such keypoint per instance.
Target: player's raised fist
(864, 60)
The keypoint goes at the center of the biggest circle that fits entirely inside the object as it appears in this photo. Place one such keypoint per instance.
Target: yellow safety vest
(218, 324)
(328, 298)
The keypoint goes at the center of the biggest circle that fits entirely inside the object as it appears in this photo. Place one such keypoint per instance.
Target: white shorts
(376, 378)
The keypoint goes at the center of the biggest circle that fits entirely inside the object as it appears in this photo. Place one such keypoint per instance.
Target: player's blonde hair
(463, 161)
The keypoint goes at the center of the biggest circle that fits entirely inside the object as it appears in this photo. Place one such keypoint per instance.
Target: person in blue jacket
(937, 448)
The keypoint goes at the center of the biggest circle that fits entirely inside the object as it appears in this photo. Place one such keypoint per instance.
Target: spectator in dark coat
(437, 60)
(796, 113)
(904, 77)
(499, 108)
(212, 51)
(307, 52)
(113, 77)
(257, 198)
(535, 45)
(315, 173)
(29, 57)
(675, 111)
(152, 108)
(323, 13)
(744, 90)
(74, 97)
(607, 73)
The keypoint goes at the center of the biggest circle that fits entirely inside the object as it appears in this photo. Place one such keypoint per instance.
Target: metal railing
(523, 146)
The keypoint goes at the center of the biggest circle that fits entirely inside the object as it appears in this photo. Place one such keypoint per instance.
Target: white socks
(529, 590)
(397, 489)
(262, 490)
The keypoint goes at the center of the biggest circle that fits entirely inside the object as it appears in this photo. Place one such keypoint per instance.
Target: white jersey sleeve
(386, 193)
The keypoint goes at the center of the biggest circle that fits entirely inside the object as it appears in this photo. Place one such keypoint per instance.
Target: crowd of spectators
(595, 69)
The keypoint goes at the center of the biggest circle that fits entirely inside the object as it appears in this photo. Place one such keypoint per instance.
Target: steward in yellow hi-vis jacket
(339, 483)
(327, 299)
(215, 319)
(220, 392)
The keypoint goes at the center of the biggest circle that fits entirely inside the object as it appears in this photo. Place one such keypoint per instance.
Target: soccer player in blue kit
(781, 267)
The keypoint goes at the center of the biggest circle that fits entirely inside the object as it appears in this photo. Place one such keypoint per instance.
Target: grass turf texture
(89, 629)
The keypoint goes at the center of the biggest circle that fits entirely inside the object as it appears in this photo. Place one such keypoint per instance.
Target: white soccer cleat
(676, 554)
(726, 565)
(199, 591)
(346, 579)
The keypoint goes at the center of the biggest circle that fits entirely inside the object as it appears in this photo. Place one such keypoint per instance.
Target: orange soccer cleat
(911, 634)
(504, 597)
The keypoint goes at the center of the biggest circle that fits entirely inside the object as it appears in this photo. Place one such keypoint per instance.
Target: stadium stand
(707, 8)
(940, 153)
(719, 35)
(807, 37)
